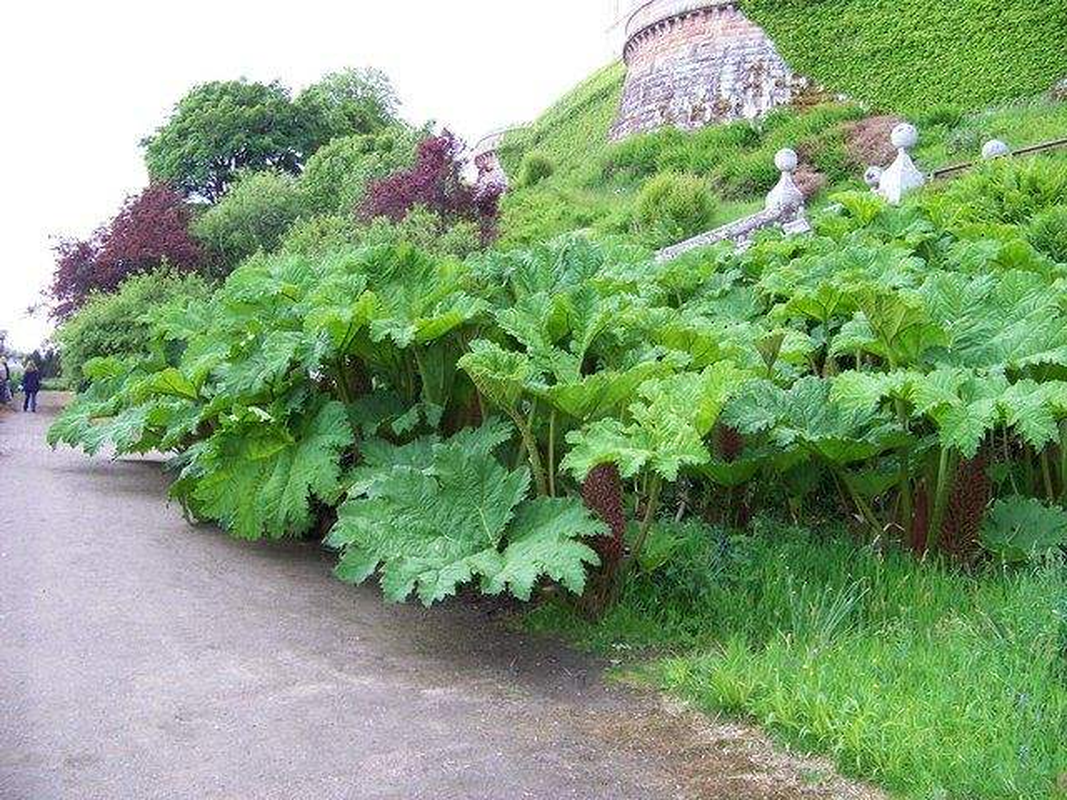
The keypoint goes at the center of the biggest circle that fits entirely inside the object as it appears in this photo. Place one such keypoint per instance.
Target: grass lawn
(930, 682)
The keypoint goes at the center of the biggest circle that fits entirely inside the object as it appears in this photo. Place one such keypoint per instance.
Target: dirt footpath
(143, 658)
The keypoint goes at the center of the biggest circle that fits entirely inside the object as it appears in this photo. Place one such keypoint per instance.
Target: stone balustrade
(784, 206)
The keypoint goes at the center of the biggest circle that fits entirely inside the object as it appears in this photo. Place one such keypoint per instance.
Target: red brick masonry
(698, 67)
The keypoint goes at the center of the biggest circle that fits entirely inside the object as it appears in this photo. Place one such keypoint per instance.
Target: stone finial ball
(873, 177)
(995, 149)
(786, 160)
(904, 136)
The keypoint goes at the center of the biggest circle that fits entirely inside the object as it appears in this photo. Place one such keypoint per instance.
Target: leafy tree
(74, 278)
(319, 235)
(426, 231)
(349, 102)
(47, 361)
(223, 127)
(330, 233)
(336, 178)
(254, 214)
(151, 229)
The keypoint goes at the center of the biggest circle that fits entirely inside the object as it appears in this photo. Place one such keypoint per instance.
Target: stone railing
(995, 149)
(740, 233)
(903, 177)
(492, 141)
(784, 208)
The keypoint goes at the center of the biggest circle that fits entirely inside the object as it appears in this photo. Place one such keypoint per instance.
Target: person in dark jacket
(31, 384)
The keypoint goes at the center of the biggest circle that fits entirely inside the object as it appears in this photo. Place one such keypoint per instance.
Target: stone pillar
(786, 196)
(995, 149)
(902, 176)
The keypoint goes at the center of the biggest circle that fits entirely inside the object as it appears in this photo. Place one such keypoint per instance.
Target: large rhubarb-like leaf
(457, 516)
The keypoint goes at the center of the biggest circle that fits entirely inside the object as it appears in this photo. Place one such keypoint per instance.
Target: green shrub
(788, 127)
(828, 153)
(333, 233)
(117, 324)
(335, 179)
(1005, 191)
(426, 231)
(460, 240)
(56, 385)
(732, 136)
(546, 211)
(320, 234)
(672, 207)
(700, 152)
(253, 215)
(1048, 233)
(536, 167)
(671, 150)
(638, 157)
(747, 174)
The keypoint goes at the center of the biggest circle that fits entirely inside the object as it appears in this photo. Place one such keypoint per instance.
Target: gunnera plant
(971, 493)
(968, 502)
(602, 494)
(1048, 233)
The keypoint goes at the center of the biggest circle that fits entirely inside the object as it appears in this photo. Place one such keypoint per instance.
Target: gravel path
(142, 658)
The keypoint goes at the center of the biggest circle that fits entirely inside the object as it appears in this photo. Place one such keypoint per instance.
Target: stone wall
(691, 64)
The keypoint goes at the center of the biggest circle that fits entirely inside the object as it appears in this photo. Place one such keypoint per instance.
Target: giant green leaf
(1018, 529)
(260, 480)
(458, 516)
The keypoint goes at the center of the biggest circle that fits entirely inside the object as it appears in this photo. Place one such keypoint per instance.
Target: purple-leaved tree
(151, 228)
(436, 182)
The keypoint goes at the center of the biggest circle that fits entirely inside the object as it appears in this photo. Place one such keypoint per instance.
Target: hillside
(577, 122)
(978, 75)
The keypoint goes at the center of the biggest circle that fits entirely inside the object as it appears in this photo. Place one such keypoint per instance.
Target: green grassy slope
(906, 55)
(895, 55)
(575, 127)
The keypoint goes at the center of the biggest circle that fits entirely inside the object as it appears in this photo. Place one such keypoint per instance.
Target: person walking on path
(31, 384)
(5, 381)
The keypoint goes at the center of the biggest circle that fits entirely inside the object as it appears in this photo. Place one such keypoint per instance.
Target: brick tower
(691, 63)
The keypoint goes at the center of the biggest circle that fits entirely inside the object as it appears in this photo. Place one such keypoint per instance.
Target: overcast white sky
(82, 82)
